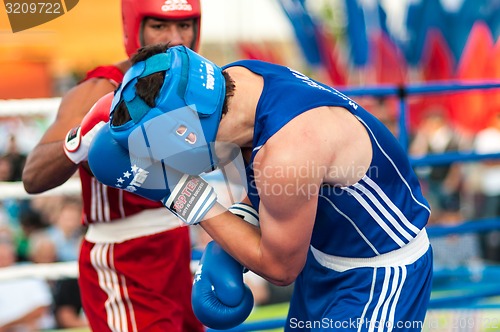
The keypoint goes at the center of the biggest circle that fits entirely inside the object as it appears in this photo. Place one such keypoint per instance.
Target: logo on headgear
(160, 138)
(210, 76)
(172, 5)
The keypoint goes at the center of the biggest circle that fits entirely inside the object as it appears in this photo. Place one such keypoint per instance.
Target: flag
(470, 108)
(335, 69)
(304, 27)
(388, 62)
(437, 60)
(258, 51)
(492, 71)
(457, 24)
(421, 16)
(356, 33)
(437, 64)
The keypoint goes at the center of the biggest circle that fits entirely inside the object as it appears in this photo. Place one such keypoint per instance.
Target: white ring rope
(29, 107)
(15, 190)
(45, 107)
(49, 271)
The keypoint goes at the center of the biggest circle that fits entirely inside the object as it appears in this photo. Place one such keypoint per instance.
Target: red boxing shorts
(142, 284)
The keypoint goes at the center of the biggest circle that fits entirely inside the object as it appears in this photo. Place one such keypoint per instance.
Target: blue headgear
(182, 126)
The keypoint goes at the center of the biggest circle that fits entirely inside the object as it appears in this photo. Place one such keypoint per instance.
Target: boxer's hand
(220, 298)
(78, 139)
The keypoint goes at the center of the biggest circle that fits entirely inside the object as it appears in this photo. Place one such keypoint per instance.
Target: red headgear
(135, 11)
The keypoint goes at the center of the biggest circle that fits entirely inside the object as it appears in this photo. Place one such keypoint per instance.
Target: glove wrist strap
(76, 146)
(245, 212)
(191, 199)
(73, 147)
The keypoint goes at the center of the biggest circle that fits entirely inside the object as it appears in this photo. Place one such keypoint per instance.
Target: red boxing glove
(77, 141)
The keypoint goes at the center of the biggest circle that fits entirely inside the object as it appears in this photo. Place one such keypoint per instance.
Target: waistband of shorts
(405, 255)
(144, 223)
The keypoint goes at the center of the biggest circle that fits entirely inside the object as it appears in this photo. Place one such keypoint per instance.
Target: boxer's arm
(220, 297)
(47, 166)
(277, 250)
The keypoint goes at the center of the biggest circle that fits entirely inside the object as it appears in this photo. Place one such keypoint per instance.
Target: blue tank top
(380, 213)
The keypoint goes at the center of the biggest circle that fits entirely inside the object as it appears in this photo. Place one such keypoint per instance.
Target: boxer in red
(135, 260)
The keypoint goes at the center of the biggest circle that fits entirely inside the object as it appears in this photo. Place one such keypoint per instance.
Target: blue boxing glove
(187, 196)
(220, 298)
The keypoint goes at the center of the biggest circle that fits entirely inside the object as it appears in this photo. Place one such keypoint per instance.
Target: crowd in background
(457, 192)
(460, 191)
(40, 230)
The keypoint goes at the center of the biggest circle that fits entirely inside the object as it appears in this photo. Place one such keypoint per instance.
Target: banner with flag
(332, 62)
(259, 51)
(304, 27)
(437, 64)
(470, 109)
(356, 33)
(421, 16)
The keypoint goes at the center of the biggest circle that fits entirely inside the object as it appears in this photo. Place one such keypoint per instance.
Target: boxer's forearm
(47, 167)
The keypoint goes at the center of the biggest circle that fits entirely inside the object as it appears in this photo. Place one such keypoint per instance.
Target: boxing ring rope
(15, 190)
(472, 226)
(47, 107)
(404, 91)
(49, 271)
(451, 157)
(44, 107)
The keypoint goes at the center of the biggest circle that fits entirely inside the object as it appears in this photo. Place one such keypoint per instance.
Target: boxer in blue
(341, 211)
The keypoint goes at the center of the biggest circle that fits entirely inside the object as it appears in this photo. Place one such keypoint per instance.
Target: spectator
(25, 302)
(68, 311)
(16, 158)
(455, 250)
(65, 234)
(384, 109)
(66, 231)
(6, 170)
(30, 221)
(435, 135)
(7, 258)
(41, 248)
(488, 141)
(47, 206)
